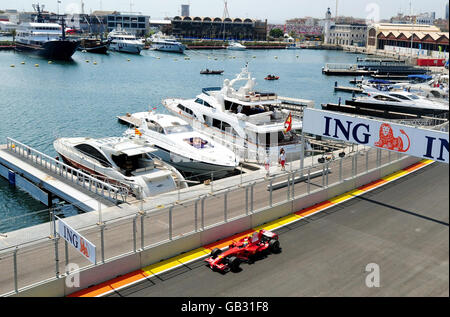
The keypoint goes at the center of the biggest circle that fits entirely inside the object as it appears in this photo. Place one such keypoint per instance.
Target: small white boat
(120, 161)
(235, 46)
(182, 147)
(121, 41)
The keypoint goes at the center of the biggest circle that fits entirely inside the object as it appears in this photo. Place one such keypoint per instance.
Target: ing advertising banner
(423, 143)
(76, 240)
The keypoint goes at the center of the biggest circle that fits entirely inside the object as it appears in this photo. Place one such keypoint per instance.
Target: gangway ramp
(80, 189)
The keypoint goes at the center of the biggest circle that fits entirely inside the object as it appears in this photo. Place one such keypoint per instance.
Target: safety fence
(23, 266)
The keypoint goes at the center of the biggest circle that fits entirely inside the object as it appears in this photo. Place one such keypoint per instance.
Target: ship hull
(55, 50)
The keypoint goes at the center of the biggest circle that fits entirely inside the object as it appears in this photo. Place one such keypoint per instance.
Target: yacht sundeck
(249, 122)
(120, 161)
(182, 147)
(122, 41)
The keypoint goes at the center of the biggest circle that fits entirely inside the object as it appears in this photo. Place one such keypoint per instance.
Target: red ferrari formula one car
(245, 250)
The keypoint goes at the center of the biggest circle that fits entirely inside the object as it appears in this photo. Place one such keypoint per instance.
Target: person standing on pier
(282, 159)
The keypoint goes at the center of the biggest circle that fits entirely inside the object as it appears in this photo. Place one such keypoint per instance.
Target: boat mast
(224, 16)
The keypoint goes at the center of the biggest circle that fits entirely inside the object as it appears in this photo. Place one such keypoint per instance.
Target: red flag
(137, 132)
(288, 123)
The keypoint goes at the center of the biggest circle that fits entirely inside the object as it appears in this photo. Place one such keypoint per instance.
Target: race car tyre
(234, 263)
(274, 246)
(215, 252)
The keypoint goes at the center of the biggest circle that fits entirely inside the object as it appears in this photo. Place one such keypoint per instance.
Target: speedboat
(249, 122)
(122, 41)
(271, 77)
(400, 101)
(46, 40)
(211, 72)
(235, 46)
(166, 44)
(182, 147)
(122, 162)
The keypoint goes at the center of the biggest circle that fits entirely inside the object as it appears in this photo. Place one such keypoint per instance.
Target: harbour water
(84, 96)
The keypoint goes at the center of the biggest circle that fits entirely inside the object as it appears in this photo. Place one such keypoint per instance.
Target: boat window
(385, 98)
(217, 123)
(178, 129)
(202, 102)
(413, 97)
(185, 109)
(93, 153)
(399, 96)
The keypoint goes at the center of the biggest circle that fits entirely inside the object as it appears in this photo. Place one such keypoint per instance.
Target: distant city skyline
(260, 9)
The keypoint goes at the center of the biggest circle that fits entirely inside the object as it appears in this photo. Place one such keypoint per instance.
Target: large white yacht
(249, 122)
(236, 46)
(122, 41)
(182, 147)
(120, 161)
(166, 43)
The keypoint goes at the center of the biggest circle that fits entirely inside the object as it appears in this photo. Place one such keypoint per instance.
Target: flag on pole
(288, 123)
(137, 132)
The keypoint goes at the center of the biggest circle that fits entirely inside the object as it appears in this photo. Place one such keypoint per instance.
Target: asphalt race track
(403, 227)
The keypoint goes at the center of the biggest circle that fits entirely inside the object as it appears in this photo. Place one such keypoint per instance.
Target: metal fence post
(203, 213)
(367, 160)
(142, 231)
(293, 185)
(323, 174)
(195, 215)
(251, 195)
(270, 192)
(134, 233)
(389, 156)
(340, 169)
(66, 250)
(16, 285)
(225, 218)
(309, 183)
(246, 199)
(288, 186)
(102, 241)
(326, 172)
(170, 222)
(56, 256)
(378, 157)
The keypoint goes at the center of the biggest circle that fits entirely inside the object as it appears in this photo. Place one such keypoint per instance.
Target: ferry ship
(47, 40)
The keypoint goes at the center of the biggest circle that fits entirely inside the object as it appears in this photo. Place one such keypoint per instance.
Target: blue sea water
(79, 98)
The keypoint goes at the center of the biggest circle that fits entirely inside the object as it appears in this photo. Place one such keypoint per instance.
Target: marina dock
(349, 89)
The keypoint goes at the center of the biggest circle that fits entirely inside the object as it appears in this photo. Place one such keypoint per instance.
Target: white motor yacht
(236, 46)
(182, 147)
(122, 41)
(400, 101)
(251, 123)
(120, 161)
(166, 44)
